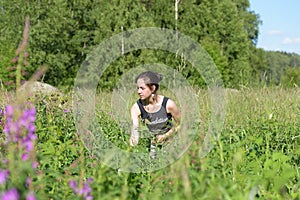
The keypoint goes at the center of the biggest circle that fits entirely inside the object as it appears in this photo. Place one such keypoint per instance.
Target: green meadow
(255, 156)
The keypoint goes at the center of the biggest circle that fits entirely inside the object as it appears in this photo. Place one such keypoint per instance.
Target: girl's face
(144, 91)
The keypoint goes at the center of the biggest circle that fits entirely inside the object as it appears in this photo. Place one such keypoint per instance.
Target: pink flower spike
(67, 110)
(3, 175)
(89, 198)
(90, 180)
(35, 164)
(25, 156)
(9, 111)
(11, 194)
(28, 182)
(73, 184)
(28, 145)
(30, 196)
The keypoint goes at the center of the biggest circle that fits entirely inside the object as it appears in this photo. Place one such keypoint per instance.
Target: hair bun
(159, 76)
(150, 77)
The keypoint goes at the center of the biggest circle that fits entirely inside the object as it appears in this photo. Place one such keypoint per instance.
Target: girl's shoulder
(135, 108)
(170, 103)
(163, 98)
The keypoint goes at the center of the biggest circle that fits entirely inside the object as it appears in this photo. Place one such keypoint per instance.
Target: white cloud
(297, 40)
(274, 32)
(289, 40)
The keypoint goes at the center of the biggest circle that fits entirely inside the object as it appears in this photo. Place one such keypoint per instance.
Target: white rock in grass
(37, 87)
(232, 90)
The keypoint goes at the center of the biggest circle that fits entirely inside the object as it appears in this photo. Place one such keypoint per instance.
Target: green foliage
(282, 68)
(63, 33)
(256, 155)
(291, 77)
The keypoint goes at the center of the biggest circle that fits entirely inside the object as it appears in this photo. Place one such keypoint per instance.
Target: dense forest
(63, 33)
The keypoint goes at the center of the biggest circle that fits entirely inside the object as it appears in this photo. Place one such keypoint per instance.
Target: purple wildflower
(34, 164)
(30, 196)
(28, 182)
(21, 130)
(11, 194)
(25, 156)
(89, 180)
(84, 191)
(9, 111)
(1, 116)
(73, 185)
(3, 175)
(67, 110)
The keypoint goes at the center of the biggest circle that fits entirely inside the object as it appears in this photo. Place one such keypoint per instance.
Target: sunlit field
(256, 156)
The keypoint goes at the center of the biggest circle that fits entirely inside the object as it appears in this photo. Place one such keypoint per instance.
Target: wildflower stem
(11, 161)
(18, 71)
(20, 52)
(82, 163)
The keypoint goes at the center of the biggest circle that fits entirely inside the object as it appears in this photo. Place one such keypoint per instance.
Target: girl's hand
(133, 140)
(161, 138)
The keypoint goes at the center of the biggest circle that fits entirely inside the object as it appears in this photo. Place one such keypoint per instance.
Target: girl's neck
(151, 100)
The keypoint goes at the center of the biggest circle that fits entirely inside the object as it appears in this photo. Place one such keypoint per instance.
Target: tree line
(63, 33)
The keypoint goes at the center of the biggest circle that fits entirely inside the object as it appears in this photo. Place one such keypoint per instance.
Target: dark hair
(150, 78)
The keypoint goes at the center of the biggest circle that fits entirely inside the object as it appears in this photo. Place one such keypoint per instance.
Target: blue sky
(281, 26)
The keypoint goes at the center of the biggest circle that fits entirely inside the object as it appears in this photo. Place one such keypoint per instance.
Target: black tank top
(158, 122)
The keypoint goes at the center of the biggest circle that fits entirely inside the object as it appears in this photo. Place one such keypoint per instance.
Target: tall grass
(256, 156)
